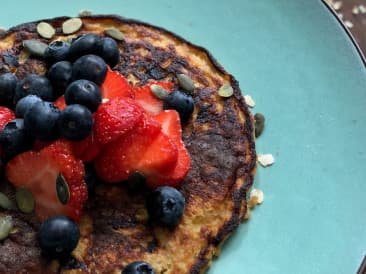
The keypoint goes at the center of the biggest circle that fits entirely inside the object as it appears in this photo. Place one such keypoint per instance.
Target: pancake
(114, 227)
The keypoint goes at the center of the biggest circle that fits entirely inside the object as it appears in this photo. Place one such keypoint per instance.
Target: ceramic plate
(306, 76)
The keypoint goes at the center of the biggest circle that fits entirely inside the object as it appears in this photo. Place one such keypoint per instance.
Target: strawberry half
(145, 98)
(86, 149)
(115, 118)
(115, 85)
(37, 171)
(6, 115)
(146, 150)
(171, 126)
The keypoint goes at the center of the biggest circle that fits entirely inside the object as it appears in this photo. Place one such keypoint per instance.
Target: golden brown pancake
(115, 229)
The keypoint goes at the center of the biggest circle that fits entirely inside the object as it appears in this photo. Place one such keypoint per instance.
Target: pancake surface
(114, 228)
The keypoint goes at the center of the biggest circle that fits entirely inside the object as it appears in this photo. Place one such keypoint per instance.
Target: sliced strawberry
(37, 171)
(171, 126)
(115, 85)
(60, 103)
(87, 149)
(147, 99)
(146, 149)
(115, 118)
(6, 115)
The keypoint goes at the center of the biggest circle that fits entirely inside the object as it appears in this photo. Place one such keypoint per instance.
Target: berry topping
(6, 115)
(60, 103)
(36, 85)
(90, 67)
(83, 92)
(109, 51)
(146, 99)
(75, 122)
(39, 171)
(115, 118)
(138, 268)
(85, 44)
(145, 149)
(58, 236)
(115, 85)
(60, 76)
(8, 82)
(41, 120)
(25, 104)
(165, 206)
(181, 102)
(87, 149)
(14, 139)
(57, 51)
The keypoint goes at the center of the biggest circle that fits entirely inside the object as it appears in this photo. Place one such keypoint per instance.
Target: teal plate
(307, 77)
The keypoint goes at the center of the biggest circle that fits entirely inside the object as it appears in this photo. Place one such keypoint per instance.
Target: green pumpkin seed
(259, 124)
(35, 47)
(62, 189)
(115, 33)
(5, 201)
(45, 30)
(25, 200)
(185, 82)
(226, 90)
(159, 91)
(6, 224)
(85, 13)
(71, 25)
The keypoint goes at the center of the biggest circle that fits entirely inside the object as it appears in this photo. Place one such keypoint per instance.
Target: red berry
(87, 149)
(146, 150)
(60, 103)
(37, 171)
(115, 85)
(6, 115)
(145, 98)
(116, 118)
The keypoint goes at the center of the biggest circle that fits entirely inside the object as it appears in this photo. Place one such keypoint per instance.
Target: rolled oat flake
(45, 30)
(226, 90)
(6, 224)
(25, 200)
(71, 25)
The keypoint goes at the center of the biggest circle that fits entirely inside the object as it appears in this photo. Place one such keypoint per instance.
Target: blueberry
(58, 236)
(57, 51)
(25, 104)
(83, 92)
(14, 139)
(109, 51)
(41, 120)
(8, 82)
(90, 67)
(36, 85)
(75, 122)
(165, 206)
(85, 44)
(59, 75)
(181, 102)
(138, 268)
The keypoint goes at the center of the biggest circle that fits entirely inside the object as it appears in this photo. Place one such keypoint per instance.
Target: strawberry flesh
(115, 85)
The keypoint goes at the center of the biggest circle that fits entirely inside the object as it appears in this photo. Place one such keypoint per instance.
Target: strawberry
(115, 85)
(60, 103)
(115, 118)
(146, 150)
(6, 115)
(37, 171)
(171, 126)
(147, 99)
(87, 149)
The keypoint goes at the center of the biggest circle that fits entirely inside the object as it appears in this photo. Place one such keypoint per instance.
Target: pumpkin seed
(115, 33)
(226, 90)
(62, 189)
(159, 91)
(45, 30)
(6, 224)
(71, 25)
(85, 13)
(185, 82)
(25, 200)
(35, 47)
(259, 124)
(5, 201)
